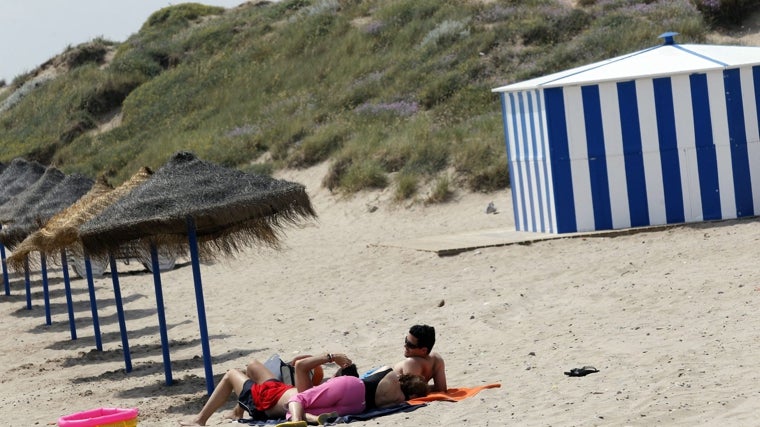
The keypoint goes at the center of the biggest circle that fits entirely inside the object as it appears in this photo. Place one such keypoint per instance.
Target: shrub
(353, 169)
(335, 173)
(319, 146)
(361, 175)
(24, 90)
(554, 24)
(446, 33)
(483, 166)
(406, 186)
(108, 94)
(440, 87)
(322, 7)
(397, 108)
(726, 12)
(136, 61)
(179, 15)
(441, 191)
(92, 52)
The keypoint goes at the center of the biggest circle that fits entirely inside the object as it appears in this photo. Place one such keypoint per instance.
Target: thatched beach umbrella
(19, 175)
(44, 241)
(35, 213)
(62, 230)
(31, 216)
(22, 202)
(216, 209)
(61, 234)
(16, 177)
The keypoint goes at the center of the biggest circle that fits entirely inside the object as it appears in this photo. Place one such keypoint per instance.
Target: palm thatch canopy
(17, 177)
(62, 231)
(231, 209)
(31, 218)
(30, 197)
(46, 238)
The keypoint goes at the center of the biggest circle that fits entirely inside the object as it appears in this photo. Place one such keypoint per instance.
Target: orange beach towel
(452, 394)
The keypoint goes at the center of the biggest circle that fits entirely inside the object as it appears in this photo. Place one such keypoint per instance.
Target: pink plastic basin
(100, 417)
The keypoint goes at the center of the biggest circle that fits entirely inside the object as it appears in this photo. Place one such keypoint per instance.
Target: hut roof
(31, 218)
(664, 60)
(230, 208)
(30, 197)
(17, 177)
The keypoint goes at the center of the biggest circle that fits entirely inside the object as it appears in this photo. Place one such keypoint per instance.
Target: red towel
(452, 394)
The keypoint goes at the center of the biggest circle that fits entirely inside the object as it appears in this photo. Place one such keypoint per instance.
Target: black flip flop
(581, 372)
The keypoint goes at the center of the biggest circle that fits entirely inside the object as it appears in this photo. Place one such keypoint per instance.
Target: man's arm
(439, 374)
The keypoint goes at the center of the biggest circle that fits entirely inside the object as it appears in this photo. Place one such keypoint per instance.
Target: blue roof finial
(668, 37)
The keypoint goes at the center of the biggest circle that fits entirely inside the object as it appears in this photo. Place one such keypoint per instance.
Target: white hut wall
(666, 150)
(527, 144)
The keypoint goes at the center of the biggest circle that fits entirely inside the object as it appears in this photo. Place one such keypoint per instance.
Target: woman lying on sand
(267, 398)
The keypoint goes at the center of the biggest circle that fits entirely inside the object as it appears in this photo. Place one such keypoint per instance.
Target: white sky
(33, 31)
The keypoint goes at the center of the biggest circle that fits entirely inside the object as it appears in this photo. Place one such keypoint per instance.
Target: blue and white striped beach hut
(665, 135)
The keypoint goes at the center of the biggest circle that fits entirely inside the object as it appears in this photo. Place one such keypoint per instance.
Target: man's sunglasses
(408, 344)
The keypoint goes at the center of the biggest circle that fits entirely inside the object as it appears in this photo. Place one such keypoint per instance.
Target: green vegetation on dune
(391, 92)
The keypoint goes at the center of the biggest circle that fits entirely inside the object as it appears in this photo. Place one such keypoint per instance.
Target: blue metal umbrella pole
(93, 302)
(120, 313)
(195, 261)
(45, 290)
(27, 283)
(5, 268)
(161, 315)
(67, 285)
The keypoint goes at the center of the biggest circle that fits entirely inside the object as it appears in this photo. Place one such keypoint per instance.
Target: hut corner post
(69, 302)
(199, 302)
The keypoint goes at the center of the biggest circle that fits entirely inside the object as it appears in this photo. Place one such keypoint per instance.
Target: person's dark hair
(425, 336)
(413, 386)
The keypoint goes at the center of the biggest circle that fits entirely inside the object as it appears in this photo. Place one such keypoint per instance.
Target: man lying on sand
(420, 359)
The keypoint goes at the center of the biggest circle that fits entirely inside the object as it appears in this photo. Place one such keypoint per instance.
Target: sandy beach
(668, 317)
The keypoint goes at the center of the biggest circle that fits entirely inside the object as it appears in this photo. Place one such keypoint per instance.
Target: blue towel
(364, 416)
(379, 412)
(252, 422)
